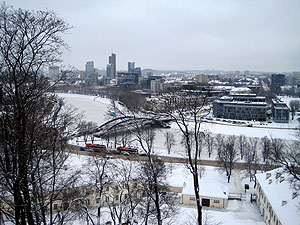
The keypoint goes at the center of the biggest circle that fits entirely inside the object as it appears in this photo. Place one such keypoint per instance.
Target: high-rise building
(108, 70)
(138, 70)
(89, 68)
(156, 85)
(53, 72)
(278, 80)
(131, 67)
(113, 65)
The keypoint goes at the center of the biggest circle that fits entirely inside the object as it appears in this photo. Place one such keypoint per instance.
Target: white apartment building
(277, 201)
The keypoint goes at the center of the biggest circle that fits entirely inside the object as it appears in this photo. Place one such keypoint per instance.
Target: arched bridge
(130, 122)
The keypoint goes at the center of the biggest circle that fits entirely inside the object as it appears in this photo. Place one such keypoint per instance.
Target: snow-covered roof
(211, 189)
(240, 89)
(280, 195)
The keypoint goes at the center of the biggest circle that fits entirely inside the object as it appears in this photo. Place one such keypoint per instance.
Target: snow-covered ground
(238, 212)
(95, 109)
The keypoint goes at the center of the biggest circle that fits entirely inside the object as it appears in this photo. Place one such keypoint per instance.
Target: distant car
(82, 148)
(249, 125)
(142, 154)
(125, 153)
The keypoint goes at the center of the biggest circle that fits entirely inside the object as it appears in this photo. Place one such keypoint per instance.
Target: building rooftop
(276, 187)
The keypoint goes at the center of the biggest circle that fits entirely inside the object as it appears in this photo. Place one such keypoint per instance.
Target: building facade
(54, 72)
(111, 68)
(131, 67)
(280, 111)
(202, 78)
(89, 68)
(241, 107)
(277, 79)
(276, 200)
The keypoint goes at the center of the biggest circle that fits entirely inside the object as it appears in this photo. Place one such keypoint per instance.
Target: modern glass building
(280, 111)
(241, 107)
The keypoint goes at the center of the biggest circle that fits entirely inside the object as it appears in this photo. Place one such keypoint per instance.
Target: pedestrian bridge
(129, 123)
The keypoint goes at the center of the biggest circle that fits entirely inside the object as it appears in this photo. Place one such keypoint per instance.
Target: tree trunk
(199, 206)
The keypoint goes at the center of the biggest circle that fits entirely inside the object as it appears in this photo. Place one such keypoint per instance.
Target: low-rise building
(241, 107)
(212, 194)
(280, 111)
(277, 201)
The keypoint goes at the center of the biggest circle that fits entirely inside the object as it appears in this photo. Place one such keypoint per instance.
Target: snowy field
(237, 212)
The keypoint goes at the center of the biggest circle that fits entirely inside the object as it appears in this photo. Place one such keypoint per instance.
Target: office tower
(131, 67)
(113, 68)
(89, 68)
(237, 74)
(108, 70)
(149, 74)
(156, 85)
(278, 80)
(138, 70)
(53, 72)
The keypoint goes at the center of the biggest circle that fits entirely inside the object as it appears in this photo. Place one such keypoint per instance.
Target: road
(168, 159)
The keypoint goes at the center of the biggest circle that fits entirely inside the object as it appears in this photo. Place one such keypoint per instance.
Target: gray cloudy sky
(261, 35)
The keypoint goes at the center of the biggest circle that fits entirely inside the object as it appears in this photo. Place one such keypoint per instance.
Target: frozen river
(96, 109)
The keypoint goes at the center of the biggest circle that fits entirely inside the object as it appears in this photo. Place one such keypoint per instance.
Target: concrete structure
(156, 85)
(127, 81)
(278, 80)
(54, 72)
(211, 195)
(202, 78)
(241, 107)
(111, 68)
(138, 70)
(280, 111)
(89, 68)
(276, 200)
(131, 67)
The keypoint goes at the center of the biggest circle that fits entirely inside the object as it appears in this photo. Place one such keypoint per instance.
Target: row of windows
(194, 199)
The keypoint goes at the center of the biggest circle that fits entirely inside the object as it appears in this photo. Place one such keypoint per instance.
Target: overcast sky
(260, 35)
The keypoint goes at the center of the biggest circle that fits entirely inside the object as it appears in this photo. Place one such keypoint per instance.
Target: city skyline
(181, 35)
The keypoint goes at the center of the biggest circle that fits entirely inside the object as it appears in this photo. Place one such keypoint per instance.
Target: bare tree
(287, 155)
(83, 131)
(169, 141)
(294, 107)
(187, 108)
(242, 142)
(98, 171)
(35, 124)
(219, 142)
(153, 176)
(209, 139)
(227, 155)
(86, 130)
(252, 159)
(125, 192)
(145, 137)
(266, 146)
